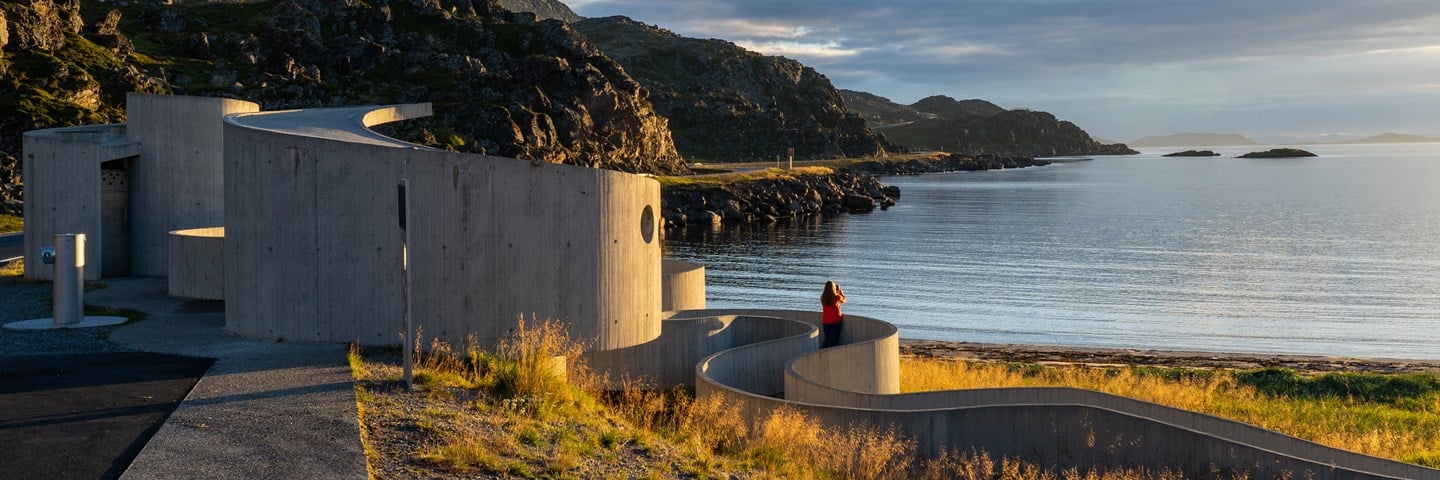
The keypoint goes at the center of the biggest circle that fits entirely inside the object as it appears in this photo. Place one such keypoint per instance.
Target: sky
(1120, 69)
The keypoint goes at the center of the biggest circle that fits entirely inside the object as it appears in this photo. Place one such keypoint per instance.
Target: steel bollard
(69, 285)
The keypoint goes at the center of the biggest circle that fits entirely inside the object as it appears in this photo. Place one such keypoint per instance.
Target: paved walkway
(263, 410)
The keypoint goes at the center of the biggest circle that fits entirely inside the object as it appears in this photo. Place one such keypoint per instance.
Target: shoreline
(1059, 355)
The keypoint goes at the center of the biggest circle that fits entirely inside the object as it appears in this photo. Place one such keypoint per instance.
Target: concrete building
(304, 243)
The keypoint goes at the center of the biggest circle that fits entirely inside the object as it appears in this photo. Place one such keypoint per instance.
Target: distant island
(1193, 153)
(1279, 153)
(1235, 139)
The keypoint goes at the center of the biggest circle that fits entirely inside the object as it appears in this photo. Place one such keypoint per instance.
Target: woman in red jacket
(830, 317)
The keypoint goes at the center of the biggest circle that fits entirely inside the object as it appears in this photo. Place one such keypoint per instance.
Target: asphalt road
(12, 246)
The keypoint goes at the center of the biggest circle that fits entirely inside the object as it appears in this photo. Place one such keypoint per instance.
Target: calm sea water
(1336, 255)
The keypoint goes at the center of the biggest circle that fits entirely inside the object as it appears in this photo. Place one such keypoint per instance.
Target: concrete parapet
(1054, 426)
(197, 263)
(682, 285)
(671, 359)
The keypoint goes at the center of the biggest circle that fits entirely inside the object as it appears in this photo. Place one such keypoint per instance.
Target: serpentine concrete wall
(682, 285)
(197, 263)
(842, 386)
(178, 181)
(312, 244)
(61, 171)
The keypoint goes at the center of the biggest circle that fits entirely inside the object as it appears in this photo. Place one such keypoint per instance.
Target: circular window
(647, 224)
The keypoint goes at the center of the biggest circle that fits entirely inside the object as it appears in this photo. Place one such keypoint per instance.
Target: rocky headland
(977, 127)
(773, 199)
(1279, 153)
(843, 186)
(1193, 153)
(726, 103)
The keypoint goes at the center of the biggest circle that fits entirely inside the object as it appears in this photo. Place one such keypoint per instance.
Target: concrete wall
(670, 360)
(178, 181)
(682, 285)
(1053, 426)
(197, 263)
(313, 247)
(61, 171)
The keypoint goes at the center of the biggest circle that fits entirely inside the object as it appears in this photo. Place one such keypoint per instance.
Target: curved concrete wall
(682, 285)
(178, 182)
(197, 263)
(670, 359)
(314, 253)
(1054, 426)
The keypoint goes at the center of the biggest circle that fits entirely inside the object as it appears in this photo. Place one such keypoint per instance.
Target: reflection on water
(1330, 255)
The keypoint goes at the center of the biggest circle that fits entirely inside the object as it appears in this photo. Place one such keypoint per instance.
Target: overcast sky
(1120, 69)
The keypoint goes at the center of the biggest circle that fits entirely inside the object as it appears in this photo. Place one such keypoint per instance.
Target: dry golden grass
(507, 414)
(11, 223)
(717, 179)
(1408, 431)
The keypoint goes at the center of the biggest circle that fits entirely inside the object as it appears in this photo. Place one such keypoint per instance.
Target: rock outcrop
(773, 200)
(1279, 153)
(728, 103)
(1193, 153)
(953, 162)
(502, 83)
(977, 127)
(543, 9)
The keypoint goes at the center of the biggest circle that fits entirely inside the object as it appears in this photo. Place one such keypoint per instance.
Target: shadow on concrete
(86, 416)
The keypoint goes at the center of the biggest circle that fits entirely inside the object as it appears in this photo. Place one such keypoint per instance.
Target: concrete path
(263, 410)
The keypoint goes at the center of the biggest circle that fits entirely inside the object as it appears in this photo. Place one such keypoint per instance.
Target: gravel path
(25, 301)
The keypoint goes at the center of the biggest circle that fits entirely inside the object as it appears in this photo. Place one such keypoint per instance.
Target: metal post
(69, 285)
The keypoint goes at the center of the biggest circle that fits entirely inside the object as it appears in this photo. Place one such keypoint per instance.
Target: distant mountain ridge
(1195, 140)
(1235, 139)
(976, 127)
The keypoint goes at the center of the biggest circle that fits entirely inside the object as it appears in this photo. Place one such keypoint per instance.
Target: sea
(1334, 255)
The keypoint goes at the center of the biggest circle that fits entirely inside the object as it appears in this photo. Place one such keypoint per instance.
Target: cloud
(801, 50)
(1109, 62)
(731, 28)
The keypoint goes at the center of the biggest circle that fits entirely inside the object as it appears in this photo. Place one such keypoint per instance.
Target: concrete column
(69, 285)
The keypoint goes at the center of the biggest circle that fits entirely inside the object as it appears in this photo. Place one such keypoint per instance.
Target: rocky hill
(978, 127)
(879, 111)
(725, 102)
(543, 9)
(502, 83)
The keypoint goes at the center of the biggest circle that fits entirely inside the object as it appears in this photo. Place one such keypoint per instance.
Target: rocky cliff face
(57, 71)
(543, 9)
(502, 83)
(725, 102)
(977, 127)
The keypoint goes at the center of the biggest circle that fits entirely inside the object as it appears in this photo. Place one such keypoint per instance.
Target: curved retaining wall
(1054, 426)
(312, 243)
(197, 263)
(670, 359)
(682, 285)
